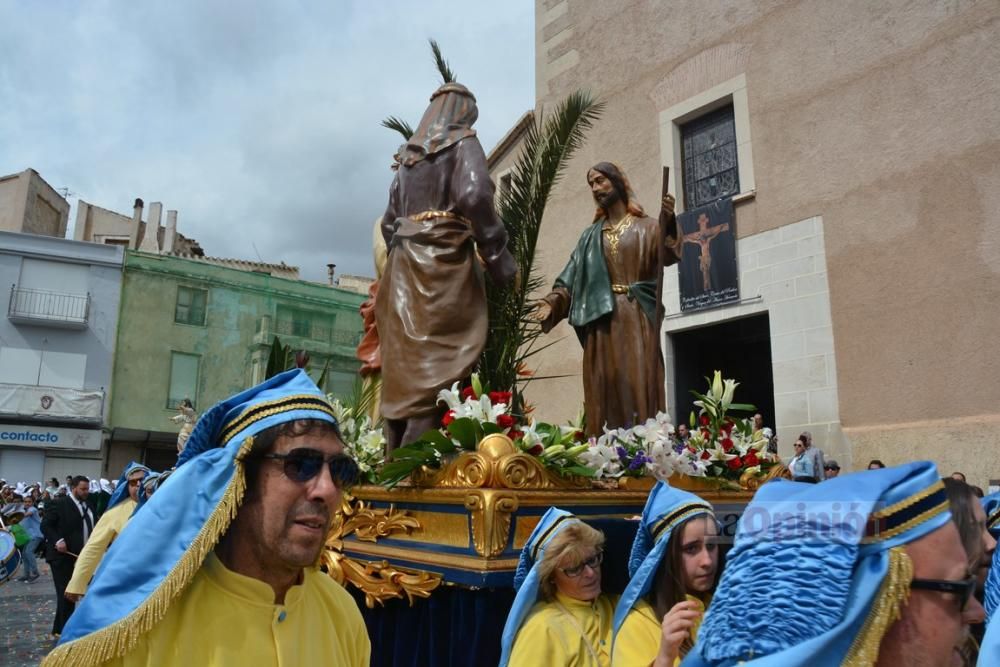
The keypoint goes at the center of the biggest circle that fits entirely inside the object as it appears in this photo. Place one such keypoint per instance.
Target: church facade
(858, 145)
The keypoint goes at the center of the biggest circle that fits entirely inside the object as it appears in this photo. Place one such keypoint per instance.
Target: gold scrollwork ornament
(379, 580)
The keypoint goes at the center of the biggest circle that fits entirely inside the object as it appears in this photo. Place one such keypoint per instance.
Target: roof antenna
(259, 258)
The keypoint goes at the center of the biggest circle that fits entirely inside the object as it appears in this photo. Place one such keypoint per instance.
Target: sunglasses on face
(593, 563)
(302, 465)
(962, 589)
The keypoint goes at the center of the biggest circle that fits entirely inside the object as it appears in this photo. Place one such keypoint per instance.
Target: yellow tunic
(548, 637)
(226, 619)
(107, 529)
(638, 640)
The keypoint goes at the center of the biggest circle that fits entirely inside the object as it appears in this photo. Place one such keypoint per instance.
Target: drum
(10, 557)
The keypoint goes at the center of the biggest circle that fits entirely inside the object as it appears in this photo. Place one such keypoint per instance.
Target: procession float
(457, 467)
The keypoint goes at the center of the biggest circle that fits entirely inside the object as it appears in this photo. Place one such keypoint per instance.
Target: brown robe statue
(431, 305)
(608, 290)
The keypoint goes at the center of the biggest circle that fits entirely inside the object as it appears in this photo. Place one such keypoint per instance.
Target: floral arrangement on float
(475, 412)
(722, 448)
(363, 438)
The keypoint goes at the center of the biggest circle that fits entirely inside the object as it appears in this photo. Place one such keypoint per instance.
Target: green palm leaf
(447, 76)
(547, 147)
(399, 125)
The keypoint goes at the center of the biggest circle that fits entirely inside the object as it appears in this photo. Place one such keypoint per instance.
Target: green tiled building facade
(189, 329)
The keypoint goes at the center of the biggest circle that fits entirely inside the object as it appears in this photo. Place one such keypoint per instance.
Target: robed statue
(611, 292)
(430, 308)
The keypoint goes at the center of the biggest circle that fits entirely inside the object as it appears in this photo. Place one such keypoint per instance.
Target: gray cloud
(258, 122)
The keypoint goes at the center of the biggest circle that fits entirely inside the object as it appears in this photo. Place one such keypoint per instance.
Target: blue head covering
(815, 576)
(526, 576)
(989, 649)
(666, 508)
(121, 491)
(991, 597)
(148, 485)
(152, 561)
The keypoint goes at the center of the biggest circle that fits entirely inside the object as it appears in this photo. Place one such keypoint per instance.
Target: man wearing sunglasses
(219, 566)
(865, 569)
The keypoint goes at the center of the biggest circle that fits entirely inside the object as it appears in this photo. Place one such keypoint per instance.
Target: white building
(56, 351)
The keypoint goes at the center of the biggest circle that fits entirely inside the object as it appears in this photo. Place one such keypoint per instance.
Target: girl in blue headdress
(674, 568)
(560, 616)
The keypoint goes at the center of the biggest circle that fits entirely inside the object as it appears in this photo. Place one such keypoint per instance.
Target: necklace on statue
(615, 231)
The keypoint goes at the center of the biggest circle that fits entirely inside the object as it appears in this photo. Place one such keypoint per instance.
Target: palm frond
(447, 76)
(279, 359)
(399, 125)
(547, 147)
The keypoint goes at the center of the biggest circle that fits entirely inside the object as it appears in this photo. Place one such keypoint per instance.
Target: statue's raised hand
(667, 205)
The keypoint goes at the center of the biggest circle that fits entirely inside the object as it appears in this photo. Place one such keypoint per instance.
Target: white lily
(717, 385)
(531, 437)
(450, 397)
(727, 393)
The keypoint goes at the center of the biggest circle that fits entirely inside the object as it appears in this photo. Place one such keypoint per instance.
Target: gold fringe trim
(119, 638)
(886, 610)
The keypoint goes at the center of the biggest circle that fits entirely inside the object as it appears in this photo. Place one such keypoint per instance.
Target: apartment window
(191, 306)
(183, 379)
(708, 149)
(44, 368)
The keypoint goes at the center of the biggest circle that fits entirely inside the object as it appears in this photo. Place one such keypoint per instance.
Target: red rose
(727, 444)
(500, 397)
(537, 449)
(448, 418)
(735, 464)
(705, 420)
(751, 458)
(579, 436)
(705, 455)
(705, 434)
(728, 426)
(468, 392)
(514, 434)
(506, 421)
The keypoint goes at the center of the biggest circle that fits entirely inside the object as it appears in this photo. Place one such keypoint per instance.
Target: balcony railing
(36, 306)
(28, 401)
(315, 332)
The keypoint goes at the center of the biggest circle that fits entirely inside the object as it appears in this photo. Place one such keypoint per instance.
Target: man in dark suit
(67, 525)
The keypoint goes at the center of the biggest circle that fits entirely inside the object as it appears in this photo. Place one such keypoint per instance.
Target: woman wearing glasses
(673, 569)
(803, 464)
(559, 617)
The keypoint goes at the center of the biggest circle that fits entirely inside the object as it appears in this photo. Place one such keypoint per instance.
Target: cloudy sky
(258, 122)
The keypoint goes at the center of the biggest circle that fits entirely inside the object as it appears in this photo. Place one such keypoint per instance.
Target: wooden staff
(668, 228)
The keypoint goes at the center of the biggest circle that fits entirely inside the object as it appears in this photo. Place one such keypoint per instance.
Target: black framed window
(191, 304)
(708, 150)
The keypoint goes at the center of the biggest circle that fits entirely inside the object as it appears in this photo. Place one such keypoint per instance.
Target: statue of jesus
(608, 290)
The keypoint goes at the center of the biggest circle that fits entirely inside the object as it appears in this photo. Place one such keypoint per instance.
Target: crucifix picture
(708, 273)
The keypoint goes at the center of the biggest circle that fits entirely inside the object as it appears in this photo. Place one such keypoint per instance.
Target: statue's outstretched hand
(542, 311)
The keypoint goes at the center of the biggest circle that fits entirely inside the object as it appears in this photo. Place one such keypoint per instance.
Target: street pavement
(26, 613)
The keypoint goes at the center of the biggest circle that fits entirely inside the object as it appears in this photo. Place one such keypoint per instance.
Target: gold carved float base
(466, 523)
